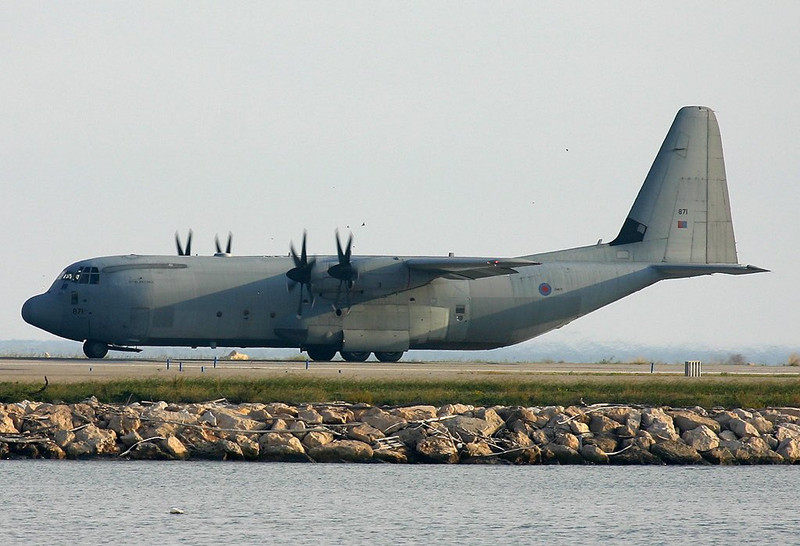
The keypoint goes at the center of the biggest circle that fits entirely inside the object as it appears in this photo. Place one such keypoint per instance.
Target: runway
(79, 369)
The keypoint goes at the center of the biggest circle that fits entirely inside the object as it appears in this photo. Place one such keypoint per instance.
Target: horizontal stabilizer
(676, 271)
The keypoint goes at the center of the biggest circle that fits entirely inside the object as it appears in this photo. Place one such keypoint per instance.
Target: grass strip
(546, 390)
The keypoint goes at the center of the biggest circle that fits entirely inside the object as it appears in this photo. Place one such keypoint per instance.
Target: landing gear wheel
(321, 354)
(95, 349)
(354, 356)
(389, 357)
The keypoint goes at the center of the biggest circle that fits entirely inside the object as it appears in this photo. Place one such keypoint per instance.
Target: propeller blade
(344, 271)
(219, 246)
(188, 250)
(301, 272)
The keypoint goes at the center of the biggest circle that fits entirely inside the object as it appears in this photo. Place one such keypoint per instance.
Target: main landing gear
(325, 354)
(95, 349)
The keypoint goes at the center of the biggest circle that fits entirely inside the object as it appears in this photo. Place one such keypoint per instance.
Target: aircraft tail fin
(682, 213)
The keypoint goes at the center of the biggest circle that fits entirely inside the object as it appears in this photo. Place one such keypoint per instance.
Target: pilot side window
(84, 275)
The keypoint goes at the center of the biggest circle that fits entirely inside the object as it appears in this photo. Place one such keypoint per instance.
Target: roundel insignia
(545, 289)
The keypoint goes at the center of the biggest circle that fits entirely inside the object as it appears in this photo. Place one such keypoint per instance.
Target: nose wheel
(95, 349)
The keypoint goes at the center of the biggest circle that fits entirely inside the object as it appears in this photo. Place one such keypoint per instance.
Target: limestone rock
(248, 446)
(541, 438)
(688, 420)
(762, 425)
(453, 409)
(317, 438)
(701, 438)
(789, 449)
(675, 452)
(491, 416)
(471, 428)
(593, 454)
(659, 424)
(607, 442)
(382, 420)
(281, 447)
(415, 413)
(569, 440)
(90, 441)
(554, 453)
(148, 451)
(51, 450)
(7, 424)
(279, 408)
(63, 438)
(742, 428)
(754, 450)
(411, 436)
(174, 448)
(48, 417)
(342, 450)
(719, 456)
(233, 420)
(335, 415)
(437, 449)
(578, 428)
(476, 449)
(728, 435)
(364, 433)
(786, 430)
(279, 424)
(125, 422)
(634, 455)
(393, 455)
(601, 423)
(310, 415)
(130, 439)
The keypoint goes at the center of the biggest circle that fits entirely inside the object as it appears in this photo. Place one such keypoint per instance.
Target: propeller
(301, 272)
(227, 247)
(188, 250)
(344, 270)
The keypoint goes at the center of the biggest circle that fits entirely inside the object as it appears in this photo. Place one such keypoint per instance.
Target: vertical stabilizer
(682, 213)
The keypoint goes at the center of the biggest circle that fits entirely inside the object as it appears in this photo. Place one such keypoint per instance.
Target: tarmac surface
(62, 370)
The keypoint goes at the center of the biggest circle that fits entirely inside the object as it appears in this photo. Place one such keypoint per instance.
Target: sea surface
(129, 502)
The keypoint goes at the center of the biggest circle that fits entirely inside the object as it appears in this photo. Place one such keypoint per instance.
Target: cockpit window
(82, 275)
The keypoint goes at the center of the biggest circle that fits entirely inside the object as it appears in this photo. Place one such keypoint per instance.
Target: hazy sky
(478, 128)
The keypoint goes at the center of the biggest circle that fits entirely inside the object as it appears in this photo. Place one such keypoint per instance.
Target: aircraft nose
(34, 311)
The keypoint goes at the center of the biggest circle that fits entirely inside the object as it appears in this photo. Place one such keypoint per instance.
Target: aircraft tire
(95, 349)
(393, 356)
(355, 356)
(321, 354)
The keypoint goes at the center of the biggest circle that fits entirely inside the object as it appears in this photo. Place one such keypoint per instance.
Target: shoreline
(614, 434)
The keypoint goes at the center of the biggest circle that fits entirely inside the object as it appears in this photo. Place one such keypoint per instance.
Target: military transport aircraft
(679, 226)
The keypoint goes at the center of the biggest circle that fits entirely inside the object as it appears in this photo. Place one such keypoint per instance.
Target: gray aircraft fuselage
(679, 226)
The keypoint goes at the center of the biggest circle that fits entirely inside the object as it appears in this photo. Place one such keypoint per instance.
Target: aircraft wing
(467, 268)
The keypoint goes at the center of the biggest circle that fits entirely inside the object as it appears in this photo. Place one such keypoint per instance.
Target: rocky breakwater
(453, 433)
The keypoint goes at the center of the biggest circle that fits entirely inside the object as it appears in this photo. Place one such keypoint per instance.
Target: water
(127, 502)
